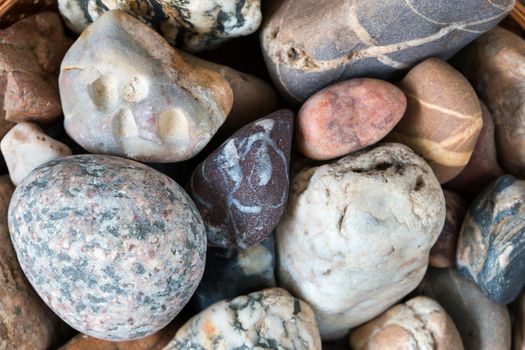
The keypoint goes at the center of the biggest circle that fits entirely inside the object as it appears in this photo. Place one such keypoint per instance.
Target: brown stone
(420, 323)
(347, 117)
(443, 253)
(30, 54)
(495, 65)
(443, 117)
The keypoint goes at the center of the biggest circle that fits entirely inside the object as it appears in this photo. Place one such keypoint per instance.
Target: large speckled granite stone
(242, 187)
(268, 319)
(311, 44)
(491, 245)
(356, 234)
(115, 248)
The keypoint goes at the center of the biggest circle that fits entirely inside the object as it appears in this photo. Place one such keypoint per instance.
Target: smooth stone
(309, 44)
(491, 244)
(115, 248)
(26, 323)
(483, 324)
(519, 323)
(419, 323)
(233, 272)
(443, 118)
(356, 234)
(241, 188)
(30, 54)
(196, 25)
(483, 167)
(348, 116)
(26, 147)
(268, 319)
(140, 99)
(495, 65)
(443, 253)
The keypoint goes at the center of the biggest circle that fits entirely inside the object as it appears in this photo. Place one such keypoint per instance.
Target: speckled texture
(241, 189)
(115, 248)
(125, 91)
(269, 319)
(194, 24)
(491, 245)
(356, 234)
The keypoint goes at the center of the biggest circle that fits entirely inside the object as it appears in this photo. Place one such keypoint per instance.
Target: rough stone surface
(25, 322)
(491, 245)
(519, 324)
(30, 55)
(420, 323)
(495, 65)
(195, 24)
(443, 117)
(269, 319)
(443, 253)
(347, 117)
(115, 248)
(233, 272)
(356, 234)
(483, 324)
(483, 167)
(241, 188)
(311, 44)
(139, 98)
(25, 147)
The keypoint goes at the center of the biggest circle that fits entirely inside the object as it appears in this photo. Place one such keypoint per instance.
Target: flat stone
(419, 323)
(491, 245)
(443, 118)
(194, 24)
(347, 117)
(356, 234)
(309, 44)
(483, 324)
(26, 147)
(140, 99)
(268, 319)
(115, 248)
(241, 188)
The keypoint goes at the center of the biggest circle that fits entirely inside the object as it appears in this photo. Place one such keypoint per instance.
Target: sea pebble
(519, 324)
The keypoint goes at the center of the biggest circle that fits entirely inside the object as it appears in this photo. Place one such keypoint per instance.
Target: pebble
(483, 324)
(443, 117)
(419, 323)
(356, 234)
(495, 65)
(347, 117)
(115, 248)
(241, 188)
(30, 55)
(26, 147)
(491, 245)
(443, 253)
(267, 319)
(233, 272)
(196, 25)
(308, 46)
(139, 99)
(519, 324)
(26, 323)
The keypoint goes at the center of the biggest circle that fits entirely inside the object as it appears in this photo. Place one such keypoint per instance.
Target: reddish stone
(347, 117)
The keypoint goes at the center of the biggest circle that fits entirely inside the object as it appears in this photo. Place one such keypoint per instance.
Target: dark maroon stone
(241, 189)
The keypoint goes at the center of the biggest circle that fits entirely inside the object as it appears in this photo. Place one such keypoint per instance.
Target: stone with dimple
(443, 117)
(268, 319)
(491, 245)
(115, 248)
(311, 44)
(356, 234)
(140, 99)
(418, 324)
(347, 117)
(241, 188)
